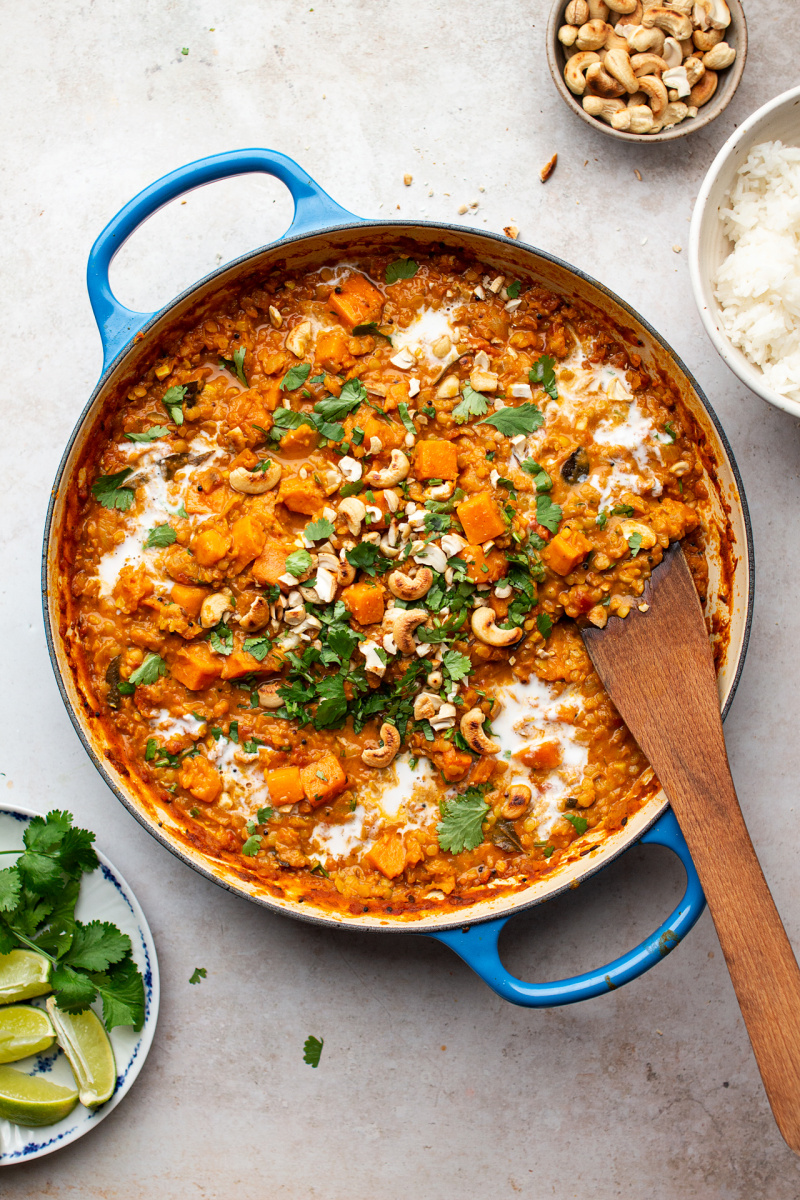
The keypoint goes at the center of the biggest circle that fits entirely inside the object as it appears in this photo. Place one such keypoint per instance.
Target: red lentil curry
(323, 566)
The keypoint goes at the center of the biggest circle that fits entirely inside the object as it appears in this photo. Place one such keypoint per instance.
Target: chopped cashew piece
(350, 468)
(299, 339)
(398, 469)
(214, 608)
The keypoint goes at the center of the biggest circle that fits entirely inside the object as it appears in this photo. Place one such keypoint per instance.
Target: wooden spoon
(658, 669)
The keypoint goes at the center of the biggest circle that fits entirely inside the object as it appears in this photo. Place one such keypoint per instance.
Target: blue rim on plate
(104, 895)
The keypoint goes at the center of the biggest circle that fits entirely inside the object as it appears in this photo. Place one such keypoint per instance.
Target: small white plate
(104, 896)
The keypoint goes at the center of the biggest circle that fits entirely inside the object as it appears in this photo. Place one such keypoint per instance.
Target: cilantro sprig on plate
(37, 912)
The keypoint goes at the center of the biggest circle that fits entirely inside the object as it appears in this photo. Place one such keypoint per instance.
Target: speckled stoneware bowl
(708, 247)
(735, 35)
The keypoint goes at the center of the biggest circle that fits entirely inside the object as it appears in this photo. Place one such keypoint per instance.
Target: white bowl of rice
(744, 254)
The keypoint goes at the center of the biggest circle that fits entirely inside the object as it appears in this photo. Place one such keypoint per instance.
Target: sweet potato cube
(285, 786)
(210, 546)
(332, 352)
(201, 779)
(355, 301)
(195, 666)
(248, 540)
(241, 663)
(388, 855)
(189, 598)
(271, 564)
(436, 460)
(302, 440)
(132, 587)
(544, 756)
(301, 495)
(481, 518)
(484, 568)
(364, 601)
(322, 780)
(567, 549)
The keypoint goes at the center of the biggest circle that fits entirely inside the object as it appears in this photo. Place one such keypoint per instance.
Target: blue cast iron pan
(320, 230)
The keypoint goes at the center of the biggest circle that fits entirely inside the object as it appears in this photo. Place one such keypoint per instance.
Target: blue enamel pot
(320, 231)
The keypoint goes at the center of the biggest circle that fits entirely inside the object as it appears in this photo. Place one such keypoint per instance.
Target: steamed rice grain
(758, 284)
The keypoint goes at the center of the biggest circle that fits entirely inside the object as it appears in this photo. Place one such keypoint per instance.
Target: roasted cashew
(345, 573)
(600, 83)
(642, 40)
(576, 12)
(486, 631)
(623, 7)
(387, 549)
(595, 106)
(636, 118)
(654, 89)
(406, 588)
(695, 69)
(381, 756)
(214, 608)
(448, 388)
(404, 622)
(646, 64)
(517, 799)
(675, 112)
(592, 35)
(255, 483)
(566, 35)
(471, 725)
(598, 10)
(353, 510)
(719, 57)
(576, 82)
(707, 39)
(257, 615)
(628, 528)
(299, 339)
(673, 54)
(426, 705)
(673, 23)
(618, 64)
(704, 89)
(398, 469)
(268, 695)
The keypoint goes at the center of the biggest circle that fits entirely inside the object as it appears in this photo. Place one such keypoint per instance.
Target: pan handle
(477, 944)
(313, 209)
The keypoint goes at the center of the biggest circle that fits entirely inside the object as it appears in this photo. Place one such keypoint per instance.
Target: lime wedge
(83, 1038)
(31, 1100)
(24, 1030)
(23, 974)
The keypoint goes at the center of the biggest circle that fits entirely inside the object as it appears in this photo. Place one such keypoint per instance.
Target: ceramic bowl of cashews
(647, 70)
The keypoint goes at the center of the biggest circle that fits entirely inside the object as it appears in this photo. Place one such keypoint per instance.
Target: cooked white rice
(758, 284)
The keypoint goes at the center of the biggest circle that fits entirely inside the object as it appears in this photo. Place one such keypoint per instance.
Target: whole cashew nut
(643, 39)
(575, 68)
(472, 732)
(268, 695)
(618, 64)
(517, 799)
(299, 339)
(592, 35)
(628, 528)
(353, 510)
(600, 83)
(707, 39)
(345, 573)
(214, 608)
(598, 10)
(406, 588)
(704, 89)
(636, 118)
(652, 87)
(567, 35)
(255, 483)
(674, 24)
(595, 106)
(647, 64)
(695, 69)
(624, 7)
(257, 615)
(403, 626)
(486, 631)
(382, 756)
(398, 469)
(576, 12)
(719, 57)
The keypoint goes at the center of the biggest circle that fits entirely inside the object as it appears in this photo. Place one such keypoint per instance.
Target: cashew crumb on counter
(548, 168)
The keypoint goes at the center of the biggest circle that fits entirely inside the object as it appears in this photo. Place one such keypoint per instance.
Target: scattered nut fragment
(511, 231)
(548, 168)
(276, 320)
(408, 180)
(677, 249)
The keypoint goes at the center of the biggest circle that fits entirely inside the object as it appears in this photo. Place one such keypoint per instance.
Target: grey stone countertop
(429, 1085)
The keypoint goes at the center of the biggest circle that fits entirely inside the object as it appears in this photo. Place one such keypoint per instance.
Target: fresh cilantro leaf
(406, 418)
(635, 544)
(236, 365)
(543, 372)
(264, 814)
(299, 563)
(149, 671)
(259, 647)
(580, 823)
(333, 408)
(96, 946)
(74, 991)
(160, 535)
(233, 732)
(544, 623)
(317, 531)
(10, 887)
(401, 268)
(40, 873)
(526, 418)
(473, 404)
(318, 869)
(172, 400)
(122, 990)
(45, 835)
(366, 557)
(109, 491)
(287, 418)
(513, 289)
(332, 707)
(541, 479)
(622, 510)
(370, 328)
(198, 975)
(221, 639)
(351, 489)
(149, 435)
(457, 666)
(462, 819)
(601, 519)
(295, 377)
(548, 513)
(252, 846)
(312, 1049)
(263, 466)
(670, 431)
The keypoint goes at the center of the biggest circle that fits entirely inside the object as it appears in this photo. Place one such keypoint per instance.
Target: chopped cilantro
(601, 519)
(252, 846)
(473, 404)
(526, 418)
(405, 417)
(457, 666)
(265, 814)
(317, 531)
(622, 510)
(462, 821)
(149, 435)
(312, 1049)
(221, 638)
(548, 514)
(149, 671)
(670, 431)
(160, 535)
(198, 975)
(318, 868)
(295, 377)
(370, 328)
(366, 557)
(351, 489)
(541, 479)
(543, 372)
(109, 491)
(401, 268)
(544, 624)
(173, 402)
(635, 544)
(259, 646)
(580, 823)
(299, 563)
(236, 365)
(513, 289)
